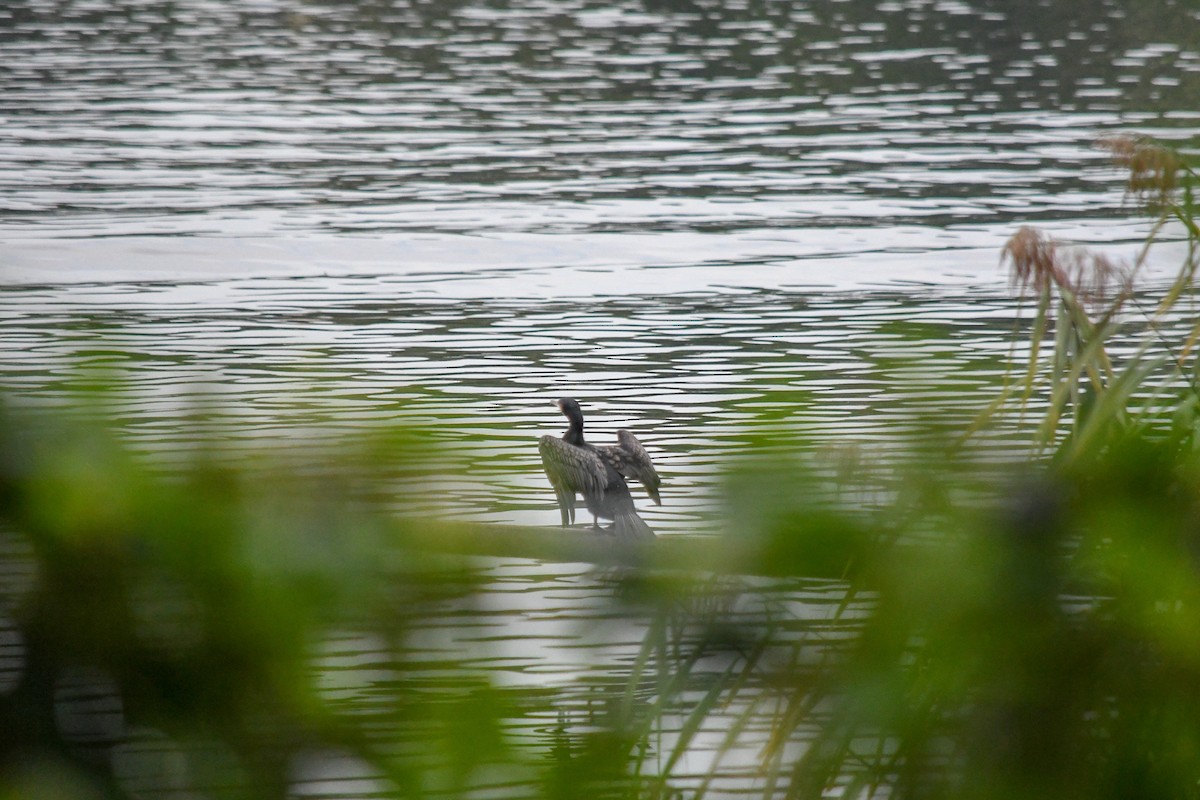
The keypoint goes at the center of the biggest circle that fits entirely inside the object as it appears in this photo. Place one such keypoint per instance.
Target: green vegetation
(948, 628)
(1086, 299)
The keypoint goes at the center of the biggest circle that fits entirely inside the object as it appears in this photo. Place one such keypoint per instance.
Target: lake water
(702, 219)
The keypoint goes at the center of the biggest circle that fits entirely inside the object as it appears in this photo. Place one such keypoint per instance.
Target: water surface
(719, 224)
(894, 137)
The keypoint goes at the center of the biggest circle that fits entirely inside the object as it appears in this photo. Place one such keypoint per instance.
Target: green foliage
(1084, 301)
(194, 604)
(1042, 644)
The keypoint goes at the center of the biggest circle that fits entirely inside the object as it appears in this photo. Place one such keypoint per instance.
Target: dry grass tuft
(1034, 265)
(1153, 169)
(1039, 264)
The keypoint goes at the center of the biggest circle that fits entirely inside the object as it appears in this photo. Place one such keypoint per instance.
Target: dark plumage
(629, 458)
(598, 473)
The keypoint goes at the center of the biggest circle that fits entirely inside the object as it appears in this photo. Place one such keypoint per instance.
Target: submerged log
(714, 554)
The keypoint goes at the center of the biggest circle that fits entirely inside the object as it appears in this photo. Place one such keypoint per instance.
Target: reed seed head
(1032, 254)
(1039, 263)
(1153, 169)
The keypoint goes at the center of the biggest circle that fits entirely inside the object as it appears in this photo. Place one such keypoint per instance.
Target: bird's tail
(629, 527)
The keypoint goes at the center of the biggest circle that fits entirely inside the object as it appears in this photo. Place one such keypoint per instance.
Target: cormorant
(598, 473)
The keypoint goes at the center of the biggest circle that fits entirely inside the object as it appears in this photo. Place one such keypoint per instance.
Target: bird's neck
(574, 434)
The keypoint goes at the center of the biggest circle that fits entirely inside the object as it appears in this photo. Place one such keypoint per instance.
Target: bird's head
(570, 408)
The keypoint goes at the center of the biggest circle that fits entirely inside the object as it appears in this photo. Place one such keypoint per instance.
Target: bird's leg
(595, 522)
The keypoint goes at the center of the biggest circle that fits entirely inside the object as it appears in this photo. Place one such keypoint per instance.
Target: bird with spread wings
(598, 474)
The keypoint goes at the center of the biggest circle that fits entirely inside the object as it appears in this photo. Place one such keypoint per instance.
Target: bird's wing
(631, 460)
(571, 469)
